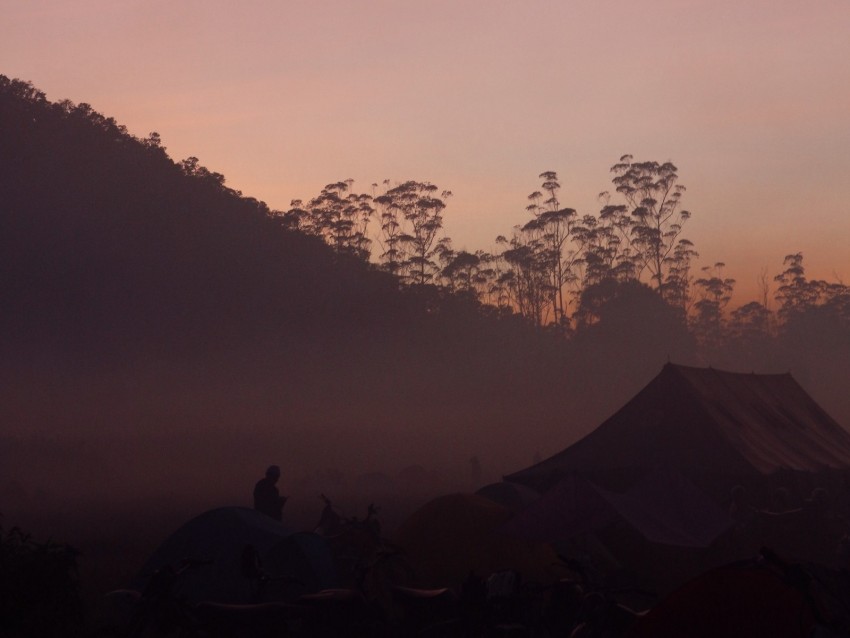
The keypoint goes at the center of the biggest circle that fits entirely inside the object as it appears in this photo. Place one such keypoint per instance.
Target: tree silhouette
(607, 240)
(796, 294)
(714, 292)
(418, 205)
(461, 270)
(338, 216)
(802, 300)
(393, 254)
(551, 231)
(526, 279)
(655, 218)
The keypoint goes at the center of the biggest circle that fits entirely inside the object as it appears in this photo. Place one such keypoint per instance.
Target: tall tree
(554, 227)
(608, 254)
(714, 291)
(418, 204)
(678, 278)
(749, 331)
(527, 275)
(393, 254)
(797, 295)
(464, 272)
(337, 215)
(655, 217)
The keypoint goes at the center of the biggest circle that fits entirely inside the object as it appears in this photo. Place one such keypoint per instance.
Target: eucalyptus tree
(714, 292)
(749, 323)
(527, 276)
(795, 293)
(552, 228)
(461, 270)
(798, 295)
(609, 254)
(486, 278)
(601, 258)
(412, 215)
(445, 253)
(677, 286)
(393, 254)
(472, 274)
(338, 216)
(653, 216)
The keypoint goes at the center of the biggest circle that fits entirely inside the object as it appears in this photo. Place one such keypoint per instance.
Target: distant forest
(560, 270)
(153, 318)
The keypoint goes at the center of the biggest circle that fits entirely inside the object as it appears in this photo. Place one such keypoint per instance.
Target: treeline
(559, 269)
(567, 274)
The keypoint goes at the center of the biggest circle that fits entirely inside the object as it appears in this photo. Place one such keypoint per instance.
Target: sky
(750, 100)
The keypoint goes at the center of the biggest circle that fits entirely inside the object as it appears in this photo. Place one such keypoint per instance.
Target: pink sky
(751, 100)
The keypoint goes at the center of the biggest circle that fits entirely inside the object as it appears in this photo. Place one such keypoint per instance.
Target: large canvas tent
(705, 422)
(663, 507)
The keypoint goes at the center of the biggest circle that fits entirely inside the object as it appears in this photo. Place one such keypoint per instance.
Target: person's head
(273, 473)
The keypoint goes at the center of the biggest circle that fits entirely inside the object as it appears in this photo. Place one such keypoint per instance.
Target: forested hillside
(156, 318)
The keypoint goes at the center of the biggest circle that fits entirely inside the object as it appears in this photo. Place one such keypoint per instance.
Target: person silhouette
(267, 498)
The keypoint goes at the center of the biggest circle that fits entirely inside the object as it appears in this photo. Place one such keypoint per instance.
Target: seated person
(267, 499)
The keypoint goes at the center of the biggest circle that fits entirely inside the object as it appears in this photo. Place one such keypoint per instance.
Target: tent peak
(705, 421)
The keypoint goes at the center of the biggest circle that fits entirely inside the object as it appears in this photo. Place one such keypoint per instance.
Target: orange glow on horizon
(477, 97)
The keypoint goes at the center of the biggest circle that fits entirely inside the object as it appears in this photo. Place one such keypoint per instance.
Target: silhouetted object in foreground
(765, 597)
(39, 588)
(241, 555)
(267, 498)
(330, 522)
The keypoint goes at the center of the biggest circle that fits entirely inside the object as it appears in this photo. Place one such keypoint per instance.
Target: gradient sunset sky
(749, 98)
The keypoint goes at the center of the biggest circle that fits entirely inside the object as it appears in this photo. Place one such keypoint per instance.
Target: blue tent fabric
(304, 557)
(220, 536)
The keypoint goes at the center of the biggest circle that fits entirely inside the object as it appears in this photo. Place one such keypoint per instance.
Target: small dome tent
(219, 538)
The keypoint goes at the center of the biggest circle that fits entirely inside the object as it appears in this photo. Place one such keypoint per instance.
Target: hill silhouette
(154, 321)
(110, 245)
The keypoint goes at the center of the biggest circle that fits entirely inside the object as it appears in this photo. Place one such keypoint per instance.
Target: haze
(750, 100)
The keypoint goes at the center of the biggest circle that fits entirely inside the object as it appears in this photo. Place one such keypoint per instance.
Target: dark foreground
(719, 591)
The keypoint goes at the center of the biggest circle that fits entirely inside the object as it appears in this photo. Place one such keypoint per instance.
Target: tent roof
(702, 420)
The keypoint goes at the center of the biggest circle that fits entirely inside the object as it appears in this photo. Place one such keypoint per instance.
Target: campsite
(393, 319)
(594, 542)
